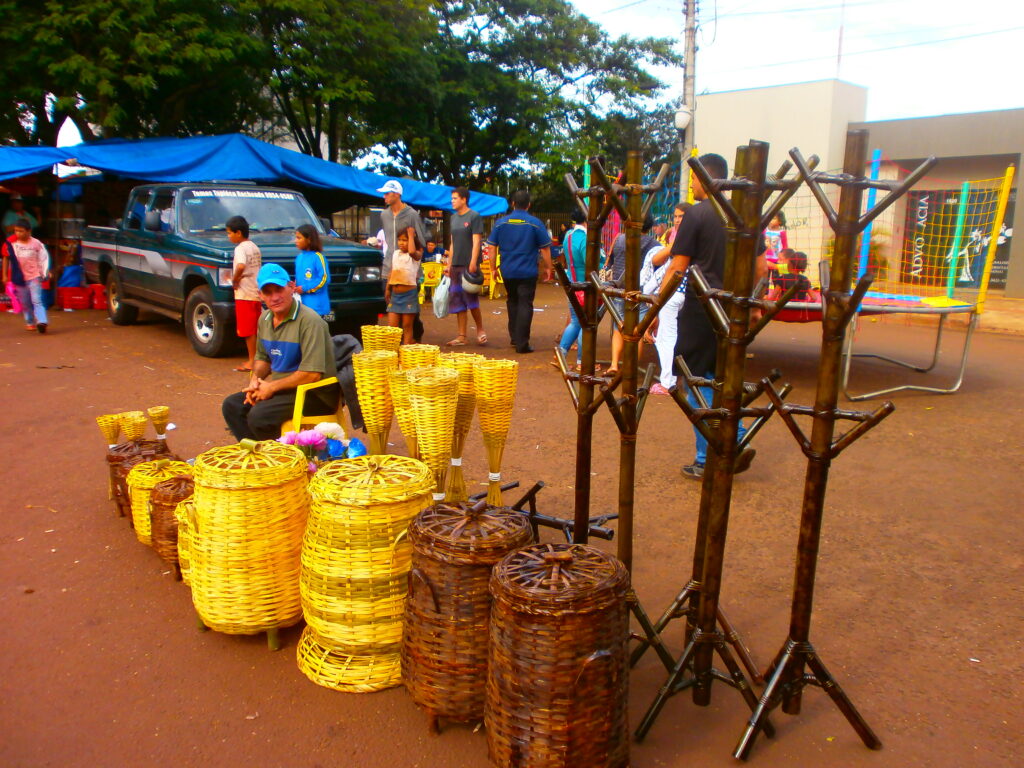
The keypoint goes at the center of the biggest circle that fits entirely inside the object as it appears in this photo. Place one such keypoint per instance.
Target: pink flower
(312, 439)
(288, 438)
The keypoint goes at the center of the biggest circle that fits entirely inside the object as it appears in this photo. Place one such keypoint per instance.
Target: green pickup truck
(171, 255)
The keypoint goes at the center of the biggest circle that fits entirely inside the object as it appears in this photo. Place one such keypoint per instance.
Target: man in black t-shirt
(700, 240)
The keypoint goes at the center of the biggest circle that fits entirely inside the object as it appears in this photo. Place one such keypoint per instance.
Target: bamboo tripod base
(786, 681)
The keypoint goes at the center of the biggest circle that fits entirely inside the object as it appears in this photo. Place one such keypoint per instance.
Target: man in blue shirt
(521, 239)
(293, 347)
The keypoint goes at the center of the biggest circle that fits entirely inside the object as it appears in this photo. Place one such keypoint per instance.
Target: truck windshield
(207, 210)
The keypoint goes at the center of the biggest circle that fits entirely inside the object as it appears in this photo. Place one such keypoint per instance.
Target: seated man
(293, 347)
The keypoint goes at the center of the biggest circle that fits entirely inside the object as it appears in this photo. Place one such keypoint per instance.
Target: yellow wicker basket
(110, 426)
(418, 356)
(433, 393)
(399, 383)
(251, 504)
(141, 480)
(372, 370)
(133, 424)
(495, 395)
(355, 561)
(185, 513)
(464, 364)
(347, 672)
(160, 415)
(378, 338)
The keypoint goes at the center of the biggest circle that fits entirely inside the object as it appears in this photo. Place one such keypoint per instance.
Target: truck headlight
(224, 277)
(365, 274)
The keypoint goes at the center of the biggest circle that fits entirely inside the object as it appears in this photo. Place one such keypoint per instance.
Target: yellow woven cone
(399, 382)
(377, 338)
(141, 480)
(418, 356)
(433, 393)
(355, 564)
(251, 503)
(495, 395)
(464, 364)
(133, 424)
(372, 370)
(160, 415)
(110, 426)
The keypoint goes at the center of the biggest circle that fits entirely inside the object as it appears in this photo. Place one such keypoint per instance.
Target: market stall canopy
(232, 156)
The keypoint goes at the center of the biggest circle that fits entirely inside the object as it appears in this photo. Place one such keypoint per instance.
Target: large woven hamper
(142, 478)
(250, 509)
(558, 669)
(118, 454)
(163, 500)
(355, 562)
(447, 615)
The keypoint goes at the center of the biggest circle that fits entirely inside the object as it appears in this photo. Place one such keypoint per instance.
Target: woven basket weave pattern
(418, 356)
(465, 406)
(433, 393)
(495, 382)
(372, 371)
(141, 479)
(185, 514)
(560, 621)
(251, 504)
(399, 383)
(444, 647)
(163, 501)
(377, 338)
(355, 563)
(120, 460)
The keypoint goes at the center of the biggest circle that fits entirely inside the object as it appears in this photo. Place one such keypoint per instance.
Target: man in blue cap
(293, 347)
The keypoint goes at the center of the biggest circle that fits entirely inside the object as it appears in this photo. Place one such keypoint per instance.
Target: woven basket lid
(250, 464)
(559, 578)
(124, 450)
(149, 473)
(472, 534)
(173, 490)
(372, 480)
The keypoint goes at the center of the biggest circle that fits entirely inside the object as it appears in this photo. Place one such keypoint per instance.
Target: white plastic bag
(440, 298)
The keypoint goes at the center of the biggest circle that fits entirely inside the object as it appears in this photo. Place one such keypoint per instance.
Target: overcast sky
(915, 57)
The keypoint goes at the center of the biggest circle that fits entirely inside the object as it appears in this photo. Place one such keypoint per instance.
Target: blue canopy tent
(232, 156)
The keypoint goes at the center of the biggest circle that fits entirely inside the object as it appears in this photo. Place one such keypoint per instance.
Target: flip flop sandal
(458, 341)
(481, 338)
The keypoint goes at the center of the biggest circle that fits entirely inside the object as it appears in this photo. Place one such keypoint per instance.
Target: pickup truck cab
(170, 254)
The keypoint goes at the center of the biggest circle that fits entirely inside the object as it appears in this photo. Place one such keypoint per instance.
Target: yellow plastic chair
(433, 271)
(498, 282)
(300, 421)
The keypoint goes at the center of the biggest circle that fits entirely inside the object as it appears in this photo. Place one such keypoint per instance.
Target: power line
(622, 7)
(737, 14)
(763, 65)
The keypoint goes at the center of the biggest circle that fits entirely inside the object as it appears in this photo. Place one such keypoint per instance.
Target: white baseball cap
(391, 186)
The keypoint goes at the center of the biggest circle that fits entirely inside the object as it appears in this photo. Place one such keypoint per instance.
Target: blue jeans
(702, 444)
(35, 311)
(573, 332)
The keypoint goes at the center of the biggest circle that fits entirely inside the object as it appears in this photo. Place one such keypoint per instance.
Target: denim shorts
(406, 303)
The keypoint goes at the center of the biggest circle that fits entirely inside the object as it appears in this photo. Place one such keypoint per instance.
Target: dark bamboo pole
(588, 365)
(630, 321)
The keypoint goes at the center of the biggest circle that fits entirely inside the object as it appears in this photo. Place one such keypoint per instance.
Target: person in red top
(34, 261)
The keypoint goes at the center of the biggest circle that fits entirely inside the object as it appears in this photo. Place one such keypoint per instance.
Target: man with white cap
(397, 217)
(293, 347)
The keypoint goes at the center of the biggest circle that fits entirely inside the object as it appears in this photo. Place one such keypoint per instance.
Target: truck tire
(119, 312)
(208, 335)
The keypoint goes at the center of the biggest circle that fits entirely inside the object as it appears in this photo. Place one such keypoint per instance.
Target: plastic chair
(492, 277)
(433, 271)
(300, 421)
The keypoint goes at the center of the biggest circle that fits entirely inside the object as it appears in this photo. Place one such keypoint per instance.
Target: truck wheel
(119, 312)
(206, 333)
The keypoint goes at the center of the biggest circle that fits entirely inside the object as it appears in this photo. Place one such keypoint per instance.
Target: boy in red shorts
(247, 297)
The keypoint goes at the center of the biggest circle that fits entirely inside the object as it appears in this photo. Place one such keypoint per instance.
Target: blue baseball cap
(273, 274)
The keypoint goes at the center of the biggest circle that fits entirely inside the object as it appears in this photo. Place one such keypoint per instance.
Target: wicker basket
(117, 455)
(418, 356)
(372, 370)
(560, 622)
(495, 382)
(185, 514)
(355, 562)
(378, 338)
(163, 501)
(444, 645)
(133, 424)
(464, 364)
(433, 393)
(359, 673)
(398, 380)
(251, 504)
(141, 480)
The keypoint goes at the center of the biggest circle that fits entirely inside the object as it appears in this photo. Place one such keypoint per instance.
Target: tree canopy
(442, 90)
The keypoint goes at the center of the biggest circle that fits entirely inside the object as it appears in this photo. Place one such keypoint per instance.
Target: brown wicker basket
(558, 669)
(444, 645)
(118, 454)
(163, 500)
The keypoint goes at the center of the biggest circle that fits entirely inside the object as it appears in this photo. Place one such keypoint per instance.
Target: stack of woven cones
(372, 370)
(432, 394)
(464, 364)
(495, 382)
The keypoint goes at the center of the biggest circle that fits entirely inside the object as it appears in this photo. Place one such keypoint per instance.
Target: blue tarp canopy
(232, 156)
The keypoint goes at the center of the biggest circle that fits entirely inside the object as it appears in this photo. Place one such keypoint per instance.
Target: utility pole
(684, 116)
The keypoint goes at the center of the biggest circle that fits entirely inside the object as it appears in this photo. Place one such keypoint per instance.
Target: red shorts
(247, 316)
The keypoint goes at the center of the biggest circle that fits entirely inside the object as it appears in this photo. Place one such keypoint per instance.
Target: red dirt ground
(918, 600)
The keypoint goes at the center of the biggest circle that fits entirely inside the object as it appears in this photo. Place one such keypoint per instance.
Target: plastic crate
(73, 298)
(98, 296)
